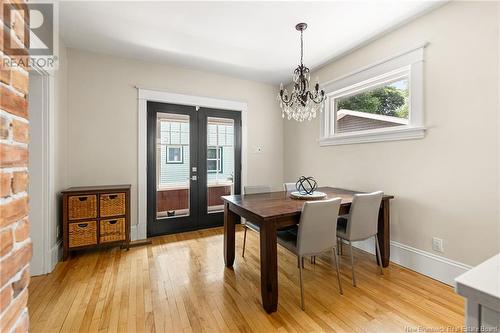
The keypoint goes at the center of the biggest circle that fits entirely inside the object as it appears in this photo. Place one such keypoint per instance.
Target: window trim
(408, 63)
(168, 147)
(218, 159)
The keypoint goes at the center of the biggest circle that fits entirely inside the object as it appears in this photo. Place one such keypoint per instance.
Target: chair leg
(244, 240)
(301, 286)
(352, 265)
(302, 260)
(336, 258)
(379, 258)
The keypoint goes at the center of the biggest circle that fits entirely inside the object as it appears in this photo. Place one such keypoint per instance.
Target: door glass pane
(220, 162)
(172, 165)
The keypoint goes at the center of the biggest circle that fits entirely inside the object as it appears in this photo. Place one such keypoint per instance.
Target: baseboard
(133, 233)
(55, 255)
(426, 263)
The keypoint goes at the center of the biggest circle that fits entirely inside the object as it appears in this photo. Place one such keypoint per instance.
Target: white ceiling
(252, 40)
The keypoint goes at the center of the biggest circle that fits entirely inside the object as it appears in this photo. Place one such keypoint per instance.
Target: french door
(194, 158)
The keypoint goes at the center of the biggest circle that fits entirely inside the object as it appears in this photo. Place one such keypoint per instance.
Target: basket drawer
(112, 204)
(112, 230)
(82, 207)
(82, 233)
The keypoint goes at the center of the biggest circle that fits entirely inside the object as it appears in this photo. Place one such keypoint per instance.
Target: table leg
(384, 233)
(269, 266)
(229, 235)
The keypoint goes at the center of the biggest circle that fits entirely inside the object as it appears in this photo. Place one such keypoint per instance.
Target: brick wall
(15, 244)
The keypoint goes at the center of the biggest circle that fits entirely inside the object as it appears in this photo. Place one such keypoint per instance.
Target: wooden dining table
(277, 210)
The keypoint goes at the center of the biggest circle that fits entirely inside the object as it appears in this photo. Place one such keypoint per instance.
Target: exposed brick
(13, 211)
(22, 230)
(17, 24)
(20, 182)
(12, 313)
(4, 71)
(20, 131)
(24, 280)
(20, 81)
(11, 156)
(5, 126)
(13, 103)
(14, 262)
(16, 45)
(6, 241)
(22, 326)
(5, 184)
(5, 297)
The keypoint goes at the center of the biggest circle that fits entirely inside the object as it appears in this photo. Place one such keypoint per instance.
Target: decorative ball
(306, 185)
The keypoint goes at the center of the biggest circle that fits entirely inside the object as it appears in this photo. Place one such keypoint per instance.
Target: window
(175, 155)
(172, 150)
(214, 159)
(379, 103)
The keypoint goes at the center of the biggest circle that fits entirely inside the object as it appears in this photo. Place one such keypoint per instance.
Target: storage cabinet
(95, 216)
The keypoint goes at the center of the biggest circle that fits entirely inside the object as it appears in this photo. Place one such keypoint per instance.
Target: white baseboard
(55, 255)
(426, 263)
(133, 232)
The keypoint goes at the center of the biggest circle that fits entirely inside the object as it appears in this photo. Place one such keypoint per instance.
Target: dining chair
(318, 222)
(289, 187)
(361, 223)
(248, 224)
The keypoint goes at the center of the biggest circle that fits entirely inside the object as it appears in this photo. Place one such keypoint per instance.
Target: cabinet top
(97, 188)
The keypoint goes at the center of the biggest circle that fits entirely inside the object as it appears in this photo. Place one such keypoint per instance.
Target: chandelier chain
(301, 47)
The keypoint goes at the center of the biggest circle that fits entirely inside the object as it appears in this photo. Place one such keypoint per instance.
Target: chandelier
(302, 103)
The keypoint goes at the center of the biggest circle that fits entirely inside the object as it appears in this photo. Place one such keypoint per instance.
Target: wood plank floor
(180, 284)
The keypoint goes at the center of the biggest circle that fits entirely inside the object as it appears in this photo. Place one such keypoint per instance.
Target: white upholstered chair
(289, 187)
(316, 235)
(361, 223)
(248, 224)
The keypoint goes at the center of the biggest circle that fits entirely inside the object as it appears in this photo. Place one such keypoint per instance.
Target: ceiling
(251, 40)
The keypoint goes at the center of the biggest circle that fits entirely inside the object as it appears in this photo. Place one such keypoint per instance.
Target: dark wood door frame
(177, 224)
(216, 219)
(198, 201)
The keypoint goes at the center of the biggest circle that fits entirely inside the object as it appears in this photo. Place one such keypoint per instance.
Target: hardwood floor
(180, 284)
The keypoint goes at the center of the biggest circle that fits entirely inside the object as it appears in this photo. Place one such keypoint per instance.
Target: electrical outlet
(437, 244)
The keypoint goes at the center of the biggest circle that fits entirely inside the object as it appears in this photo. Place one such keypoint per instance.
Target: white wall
(445, 185)
(102, 117)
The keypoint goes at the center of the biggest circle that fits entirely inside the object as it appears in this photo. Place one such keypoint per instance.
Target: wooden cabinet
(95, 216)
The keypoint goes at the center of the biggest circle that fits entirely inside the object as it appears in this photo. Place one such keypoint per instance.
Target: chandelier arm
(315, 99)
(287, 101)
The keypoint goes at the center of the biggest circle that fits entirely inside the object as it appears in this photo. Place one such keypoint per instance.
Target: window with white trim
(381, 102)
(214, 159)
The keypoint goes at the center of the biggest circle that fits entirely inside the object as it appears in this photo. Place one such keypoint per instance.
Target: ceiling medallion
(302, 103)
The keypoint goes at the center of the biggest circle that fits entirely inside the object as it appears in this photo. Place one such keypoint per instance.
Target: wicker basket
(82, 234)
(112, 204)
(112, 230)
(82, 207)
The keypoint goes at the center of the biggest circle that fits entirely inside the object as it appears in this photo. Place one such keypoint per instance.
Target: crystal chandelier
(302, 103)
